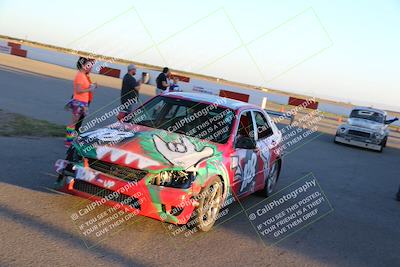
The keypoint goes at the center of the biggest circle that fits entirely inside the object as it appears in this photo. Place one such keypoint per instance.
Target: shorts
(77, 107)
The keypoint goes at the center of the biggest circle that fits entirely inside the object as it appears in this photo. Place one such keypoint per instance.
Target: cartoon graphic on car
(366, 127)
(177, 158)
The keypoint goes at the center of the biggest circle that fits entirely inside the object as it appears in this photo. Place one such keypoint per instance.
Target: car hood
(145, 148)
(365, 124)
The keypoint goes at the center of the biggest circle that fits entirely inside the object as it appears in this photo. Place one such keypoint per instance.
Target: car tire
(272, 179)
(384, 141)
(210, 202)
(398, 195)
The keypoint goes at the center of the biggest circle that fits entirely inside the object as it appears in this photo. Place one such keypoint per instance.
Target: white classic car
(366, 127)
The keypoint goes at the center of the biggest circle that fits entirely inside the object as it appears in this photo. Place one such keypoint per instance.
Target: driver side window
(246, 128)
(263, 128)
(245, 133)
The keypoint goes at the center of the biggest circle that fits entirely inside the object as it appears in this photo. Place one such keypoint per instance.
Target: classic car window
(367, 115)
(186, 117)
(262, 126)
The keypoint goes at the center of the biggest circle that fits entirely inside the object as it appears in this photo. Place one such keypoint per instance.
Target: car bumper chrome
(350, 141)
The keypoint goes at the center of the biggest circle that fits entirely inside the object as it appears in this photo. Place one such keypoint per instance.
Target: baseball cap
(131, 67)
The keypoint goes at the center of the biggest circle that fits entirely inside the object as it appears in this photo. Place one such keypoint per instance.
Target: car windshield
(200, 120)
(367, 115)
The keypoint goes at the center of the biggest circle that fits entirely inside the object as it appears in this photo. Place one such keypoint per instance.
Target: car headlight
(176, 179)
(341, 129)
(377, 135)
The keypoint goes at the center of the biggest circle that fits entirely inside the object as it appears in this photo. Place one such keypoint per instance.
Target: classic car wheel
(334, 140)
(209, 205)
(384, 141)
(273, 176)
(398, 195)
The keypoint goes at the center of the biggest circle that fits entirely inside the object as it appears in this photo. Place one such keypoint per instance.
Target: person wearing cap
(162, 81)
(130, 89)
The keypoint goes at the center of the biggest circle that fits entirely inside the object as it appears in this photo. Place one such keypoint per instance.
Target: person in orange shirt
(83, 95)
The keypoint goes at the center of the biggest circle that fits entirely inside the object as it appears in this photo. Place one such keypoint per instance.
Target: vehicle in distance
(366, 127)
(178, 158)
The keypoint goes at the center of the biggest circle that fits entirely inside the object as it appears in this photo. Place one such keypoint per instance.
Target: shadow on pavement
(66, 237)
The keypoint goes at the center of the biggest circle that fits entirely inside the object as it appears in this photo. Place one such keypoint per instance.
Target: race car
(177, 158)
(366, 127)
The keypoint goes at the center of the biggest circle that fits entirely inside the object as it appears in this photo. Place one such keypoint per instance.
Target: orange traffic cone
(282, 109)
(340, 120)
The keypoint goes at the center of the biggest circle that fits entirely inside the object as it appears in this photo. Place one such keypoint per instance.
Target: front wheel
(210, 200)
(398, 195)
(334, 140)
(384, 141)
(272, 179)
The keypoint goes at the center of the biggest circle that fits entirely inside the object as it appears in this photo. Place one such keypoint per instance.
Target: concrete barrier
(110, 72)
(234, 95)
(12, 49)
(307, 103)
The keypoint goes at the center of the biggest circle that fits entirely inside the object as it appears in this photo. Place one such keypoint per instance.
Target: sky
(339, 50)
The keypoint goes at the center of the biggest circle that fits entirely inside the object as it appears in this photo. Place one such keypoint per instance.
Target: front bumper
(167, 204)
(358, 143)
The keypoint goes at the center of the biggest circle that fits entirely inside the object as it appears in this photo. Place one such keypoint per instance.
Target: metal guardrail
(278, 114)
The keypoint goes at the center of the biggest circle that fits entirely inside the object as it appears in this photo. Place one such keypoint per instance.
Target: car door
(244, 159)
(265, 141)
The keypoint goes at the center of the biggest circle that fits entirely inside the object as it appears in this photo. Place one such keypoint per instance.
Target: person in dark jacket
(162, 81)
(130, 89)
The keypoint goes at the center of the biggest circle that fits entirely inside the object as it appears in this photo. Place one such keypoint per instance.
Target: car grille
(125, 173)
(98, 191)
(359, 133)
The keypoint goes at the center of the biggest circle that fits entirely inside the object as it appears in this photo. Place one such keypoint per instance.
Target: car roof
(211, 99)
(371, 109)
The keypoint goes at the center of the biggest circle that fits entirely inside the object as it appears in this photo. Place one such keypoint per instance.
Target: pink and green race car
(176, 158)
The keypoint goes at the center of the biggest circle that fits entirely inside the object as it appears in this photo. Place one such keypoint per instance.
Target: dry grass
(12, 124)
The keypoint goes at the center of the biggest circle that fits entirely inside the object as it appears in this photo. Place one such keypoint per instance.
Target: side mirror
(391, 120)
(245, 143)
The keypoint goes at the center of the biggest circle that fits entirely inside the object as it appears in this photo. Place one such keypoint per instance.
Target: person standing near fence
(82, 96)
(162, 81)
